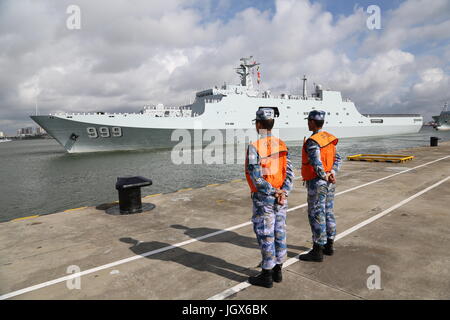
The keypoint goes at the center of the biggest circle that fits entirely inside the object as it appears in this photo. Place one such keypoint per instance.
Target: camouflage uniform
(269, 218)
(321, 196)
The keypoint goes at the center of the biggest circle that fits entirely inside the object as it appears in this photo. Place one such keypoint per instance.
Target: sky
(128, 54)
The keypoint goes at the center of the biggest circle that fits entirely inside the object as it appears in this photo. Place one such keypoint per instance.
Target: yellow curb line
(25, 218)
(153, 195)
(213, 185)
(237, 180)
(80, 208)
(185, 189)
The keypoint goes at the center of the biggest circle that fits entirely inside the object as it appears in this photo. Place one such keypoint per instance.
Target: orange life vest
(327, 143)
(273, 161)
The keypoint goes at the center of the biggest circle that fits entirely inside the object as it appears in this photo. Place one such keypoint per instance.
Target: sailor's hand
(280, 195)
(331, 177)
(282, 199)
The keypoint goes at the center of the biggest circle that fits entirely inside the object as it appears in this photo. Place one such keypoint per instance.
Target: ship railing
(290, 97)
(174, 111)
(386, 115)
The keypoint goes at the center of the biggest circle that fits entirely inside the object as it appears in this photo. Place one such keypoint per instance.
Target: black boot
(328, 248)
(277, 276)
(264, 279)
(316, 254)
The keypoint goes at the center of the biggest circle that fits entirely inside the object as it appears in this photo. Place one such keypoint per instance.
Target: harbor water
(38, 177)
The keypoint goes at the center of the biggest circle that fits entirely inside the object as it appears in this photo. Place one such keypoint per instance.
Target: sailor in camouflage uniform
(320, 163)
(270, 176)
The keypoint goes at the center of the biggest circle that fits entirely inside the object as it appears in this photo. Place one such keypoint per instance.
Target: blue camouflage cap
(265, 114)
(316, 115)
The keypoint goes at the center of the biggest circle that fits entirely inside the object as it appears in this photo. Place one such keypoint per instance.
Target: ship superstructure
(442, 121)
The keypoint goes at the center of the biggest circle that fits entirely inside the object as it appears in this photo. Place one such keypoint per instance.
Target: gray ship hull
(74, 136)
(132, 138)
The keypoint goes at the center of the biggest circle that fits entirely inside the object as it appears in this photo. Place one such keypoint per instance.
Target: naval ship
(229, 108)
(442, 121)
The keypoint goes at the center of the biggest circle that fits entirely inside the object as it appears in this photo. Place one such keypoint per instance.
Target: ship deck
(199, 243)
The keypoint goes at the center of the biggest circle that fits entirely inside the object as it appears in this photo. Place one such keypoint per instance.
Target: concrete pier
(199, 243)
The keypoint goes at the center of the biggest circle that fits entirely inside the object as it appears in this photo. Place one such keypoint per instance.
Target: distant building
(25, 132)
(40, 131)
(2, 134)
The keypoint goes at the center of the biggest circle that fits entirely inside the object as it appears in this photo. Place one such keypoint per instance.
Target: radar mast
(305, 94)
(244, 72)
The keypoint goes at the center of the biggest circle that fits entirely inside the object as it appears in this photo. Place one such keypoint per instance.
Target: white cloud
(127, 55)
(433, 81)
(375, 81)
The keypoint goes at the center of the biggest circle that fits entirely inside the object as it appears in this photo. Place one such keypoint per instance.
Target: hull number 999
(104, 132)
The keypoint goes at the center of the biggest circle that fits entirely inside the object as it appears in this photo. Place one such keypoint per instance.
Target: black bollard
(130, 193)
(434, 141)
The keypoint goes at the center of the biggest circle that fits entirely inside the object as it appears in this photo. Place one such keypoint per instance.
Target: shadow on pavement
(194, 260)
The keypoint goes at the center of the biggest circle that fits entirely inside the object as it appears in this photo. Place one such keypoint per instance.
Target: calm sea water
(39, 177)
